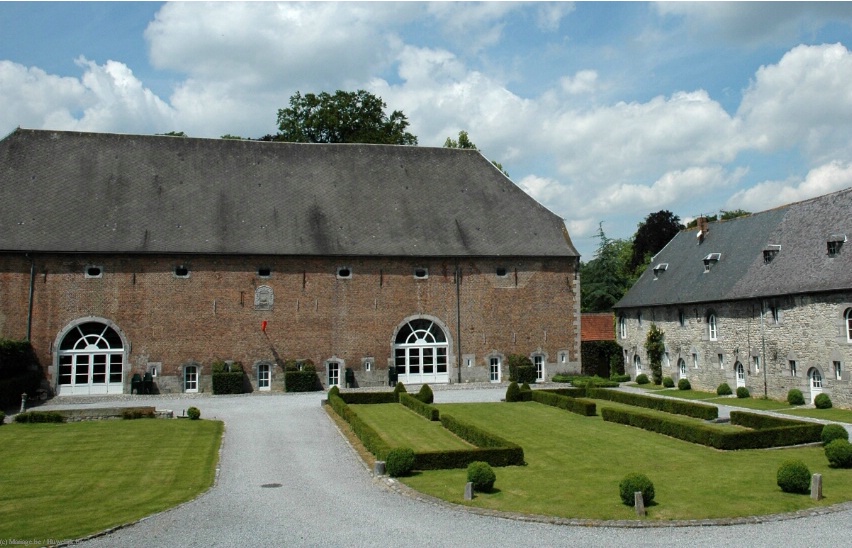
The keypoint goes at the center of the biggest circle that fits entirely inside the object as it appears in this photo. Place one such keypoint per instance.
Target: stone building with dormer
(762, 301)
(128, 254)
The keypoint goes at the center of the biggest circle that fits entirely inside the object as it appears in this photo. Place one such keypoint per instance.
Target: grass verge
(66, 481)
(576, 463)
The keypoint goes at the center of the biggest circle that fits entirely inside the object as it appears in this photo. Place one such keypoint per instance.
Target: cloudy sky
(604, 112)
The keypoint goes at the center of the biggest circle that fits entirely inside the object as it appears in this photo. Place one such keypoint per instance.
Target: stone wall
(260, 309)
(806, 329)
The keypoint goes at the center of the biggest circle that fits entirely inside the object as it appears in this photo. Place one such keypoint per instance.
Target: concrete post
(379, 468)
(639, 503)
(23, 402)
(468, 491)
(816, 486)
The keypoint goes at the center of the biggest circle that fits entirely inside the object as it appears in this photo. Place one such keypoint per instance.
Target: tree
(728, 215)
(655, 347)
(233, 137)
(172, 134)
(465, 142)
(345, 117)
(652, 235)
(605, 279)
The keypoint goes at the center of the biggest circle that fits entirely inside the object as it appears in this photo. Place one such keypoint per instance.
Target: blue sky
(604, 112)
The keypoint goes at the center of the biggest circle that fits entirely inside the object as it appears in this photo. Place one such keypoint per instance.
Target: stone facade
(262, 310)
(809, 330)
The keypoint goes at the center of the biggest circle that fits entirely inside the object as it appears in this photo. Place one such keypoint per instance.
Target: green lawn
(66, 481)
(687, 394)
(838, 415)
(576, 463)
(402, 427)
(759, 404)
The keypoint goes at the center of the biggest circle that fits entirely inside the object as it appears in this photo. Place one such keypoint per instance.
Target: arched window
(848, 318)
(637, 364)
(91, 360)
(622, 327)
(420, 352)
(740, 371)
(711, 327)
(681, 366)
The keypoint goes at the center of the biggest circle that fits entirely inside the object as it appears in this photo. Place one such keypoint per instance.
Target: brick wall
(211, 314)
(809, 331)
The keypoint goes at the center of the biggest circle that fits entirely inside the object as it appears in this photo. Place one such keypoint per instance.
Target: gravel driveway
(327, 497)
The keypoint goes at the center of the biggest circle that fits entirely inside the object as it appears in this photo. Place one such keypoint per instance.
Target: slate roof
(89, 192)
(802, 264)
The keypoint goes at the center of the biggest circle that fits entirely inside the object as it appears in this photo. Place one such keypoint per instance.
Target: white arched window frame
(681, 367)
(622, 327)
(91, 359)
(420, 352)
(711, 327)
(848, 322)
(740, 371)
(637, 363)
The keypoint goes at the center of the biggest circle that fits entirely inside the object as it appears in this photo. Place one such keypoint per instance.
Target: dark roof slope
(802, 264)
(70, 192)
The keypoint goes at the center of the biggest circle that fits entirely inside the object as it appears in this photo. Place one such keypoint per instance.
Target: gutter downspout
(32, 290)
(458, 322)
(763, 344)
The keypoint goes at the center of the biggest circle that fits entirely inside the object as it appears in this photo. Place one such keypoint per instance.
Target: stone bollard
(816, 486)
(23, 402)
(639, 503)
(379, 468)
(468, 491)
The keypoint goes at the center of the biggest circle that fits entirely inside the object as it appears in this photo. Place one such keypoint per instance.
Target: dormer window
(711, 260)
(660, 268)
(835, 242)
(770, 252)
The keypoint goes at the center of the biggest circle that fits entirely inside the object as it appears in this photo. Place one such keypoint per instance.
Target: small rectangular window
(93, 271)
(838, 373)
(344, 273)
(722, 361)
(756, 362)
(264, 272)
(695, 361)
(793, 368)
(502, 272)
(681, 318)
(421, 273)
(181, 272)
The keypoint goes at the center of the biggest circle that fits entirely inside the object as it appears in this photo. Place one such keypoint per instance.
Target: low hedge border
(580, 406)
(666, 405)
(371, 439)
(423, 409)
(492, 449)
(772, 435)
(39, 417)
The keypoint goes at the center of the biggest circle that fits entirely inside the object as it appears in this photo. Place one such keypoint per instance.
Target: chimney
(702, 229)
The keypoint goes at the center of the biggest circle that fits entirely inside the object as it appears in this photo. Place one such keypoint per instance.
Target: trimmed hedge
(767, 431)
(642, 378)
(667, 405)
(794, 477)
(839, 453)
(423, 409)
(39, 417)
(584, 407)
(724, 389)
(831, 432)
(301, 381)
(400, 462)
(584, 380)
(795, 397)
(683, 384)
(481, 476)
(492, 449)
(374, 443)
(425, 394)
(193, 413)
(228, 382)
(742, 392)
(132, 413)
(631, 484)
(668, 382)
(822, 401)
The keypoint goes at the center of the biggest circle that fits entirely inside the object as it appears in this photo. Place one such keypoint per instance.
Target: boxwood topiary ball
(636, 482)
(642, 378)
(831, 432)
(193, 413)
(481, 475)
(399, 462)
(794, 477)
(723, 390)
(822, 401)
(668, 382)
(742, 392)
(795, 397)
(683, 384)
(513, 392)
(839, 453)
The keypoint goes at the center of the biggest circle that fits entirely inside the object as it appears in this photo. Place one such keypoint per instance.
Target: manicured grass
(837, 415)
(759, 404)
(66, 481)
(576, 463)
(649, 386)
(402, 427)
(687, 394)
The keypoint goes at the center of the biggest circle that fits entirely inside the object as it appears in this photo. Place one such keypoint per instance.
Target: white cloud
(584, 81)
(550, 14)
(107, 98)
(802, 101)
(824, 179)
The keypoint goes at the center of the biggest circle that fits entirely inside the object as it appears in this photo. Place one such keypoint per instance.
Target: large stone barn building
(763, 301)
(128, 254)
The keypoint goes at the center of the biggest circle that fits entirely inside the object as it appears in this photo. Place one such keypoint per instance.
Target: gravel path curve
(328, 498)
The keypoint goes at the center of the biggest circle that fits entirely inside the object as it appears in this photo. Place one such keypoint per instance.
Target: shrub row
(230, 382)
(374, 443)
(39, 416)
(580, 406)
(514, 393)
(366, 398)
(584, 380)
(793, 433)
(137, 413)
(423, 409)
(301, 381)
(667, 405)
(492, 449)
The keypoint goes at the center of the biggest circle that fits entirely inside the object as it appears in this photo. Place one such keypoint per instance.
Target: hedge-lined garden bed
(764, 431)
(580, 406)
(666, 405)
(488, 448)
